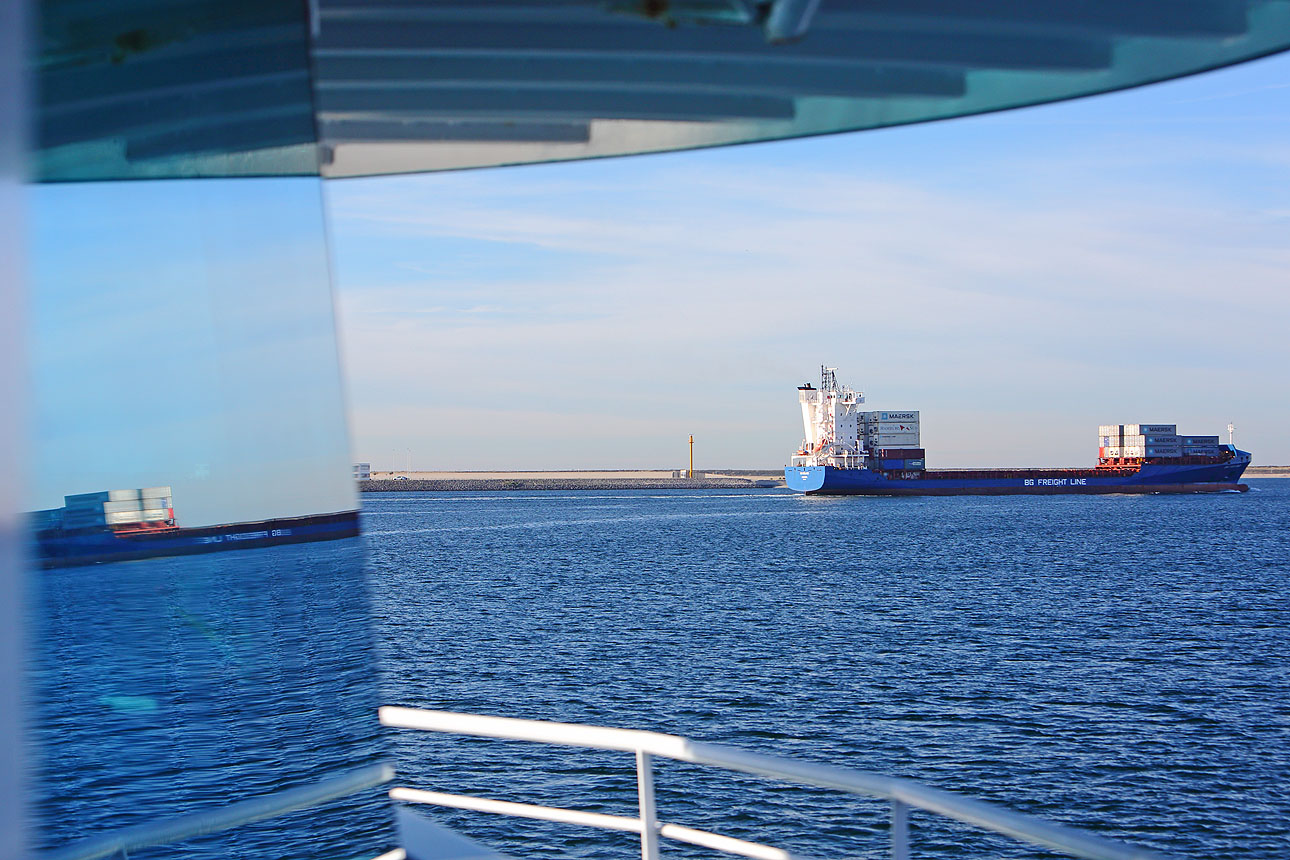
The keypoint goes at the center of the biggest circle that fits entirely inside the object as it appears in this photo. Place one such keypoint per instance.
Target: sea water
(1119, 663)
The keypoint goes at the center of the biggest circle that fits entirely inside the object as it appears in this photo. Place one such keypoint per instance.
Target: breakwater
(438, 485)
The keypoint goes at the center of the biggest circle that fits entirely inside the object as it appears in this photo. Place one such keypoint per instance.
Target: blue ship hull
(1149, 478)
(70, 549)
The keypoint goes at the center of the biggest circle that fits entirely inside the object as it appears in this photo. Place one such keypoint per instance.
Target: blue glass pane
(198, 613)
(175, 89)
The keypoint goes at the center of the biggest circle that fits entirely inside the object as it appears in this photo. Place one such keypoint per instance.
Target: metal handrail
(191, 824)
(901, 793)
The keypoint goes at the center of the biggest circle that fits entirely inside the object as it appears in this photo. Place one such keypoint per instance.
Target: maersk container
(87, 499)
(1150, 429)
(1199, 440)
(46, 520)
(1152, 439)
(84, 522)
(911, 416)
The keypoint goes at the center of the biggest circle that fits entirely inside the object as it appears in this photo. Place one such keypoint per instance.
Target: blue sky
(1020, 278)
(182, 337)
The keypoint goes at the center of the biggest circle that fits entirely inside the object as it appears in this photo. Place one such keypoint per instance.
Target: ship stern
(805, 479)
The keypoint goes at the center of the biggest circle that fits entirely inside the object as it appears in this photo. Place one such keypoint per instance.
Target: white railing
(901, 793)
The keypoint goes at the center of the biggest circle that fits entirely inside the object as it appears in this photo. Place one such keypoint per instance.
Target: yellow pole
(691, 455)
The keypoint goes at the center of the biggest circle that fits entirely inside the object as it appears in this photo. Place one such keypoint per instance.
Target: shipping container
(73, 524)
(1152, 439)
(85, 500)
(1149, 429)
(899, 464)
(902, 453)
(898, 416)
(155, 492)
(118, 507)
(79, 500)
(48, 519)
(129, 517)
(903, 440)
(1200, 440)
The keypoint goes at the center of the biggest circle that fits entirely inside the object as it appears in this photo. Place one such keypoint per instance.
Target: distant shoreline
(1268, 472)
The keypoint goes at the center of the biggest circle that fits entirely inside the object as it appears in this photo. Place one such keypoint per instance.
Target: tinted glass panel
(196, 88)
(199, 612)
(413, 85)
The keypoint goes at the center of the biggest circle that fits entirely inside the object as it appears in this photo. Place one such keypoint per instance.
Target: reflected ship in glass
(121, 525)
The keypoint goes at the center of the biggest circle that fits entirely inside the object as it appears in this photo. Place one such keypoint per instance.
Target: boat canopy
(135, 89)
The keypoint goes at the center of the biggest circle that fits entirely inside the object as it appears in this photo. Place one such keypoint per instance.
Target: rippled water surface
(178, 685)
(1116, 662)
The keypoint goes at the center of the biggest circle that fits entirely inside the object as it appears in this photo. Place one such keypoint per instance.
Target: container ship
(849, 451)
(120, 525)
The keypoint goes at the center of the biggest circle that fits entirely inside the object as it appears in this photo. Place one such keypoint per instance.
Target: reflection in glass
(184, 338)
(178, 684)
(186, 401)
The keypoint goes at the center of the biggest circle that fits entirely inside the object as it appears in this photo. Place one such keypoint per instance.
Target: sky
(183, 336)
(1019, 278)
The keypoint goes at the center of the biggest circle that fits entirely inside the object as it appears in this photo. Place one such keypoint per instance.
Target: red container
(902, 453)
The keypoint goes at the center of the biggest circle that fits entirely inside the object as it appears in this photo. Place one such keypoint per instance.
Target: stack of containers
(894, 437)
(1152, 440)
(1200, 446)
(1138, 441)
(1110, 441)
(118, 508)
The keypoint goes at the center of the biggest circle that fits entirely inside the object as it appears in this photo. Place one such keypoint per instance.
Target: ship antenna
(828, 378)
(1231, 430)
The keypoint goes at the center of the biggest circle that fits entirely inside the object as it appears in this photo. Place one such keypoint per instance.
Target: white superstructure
(839, 434)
